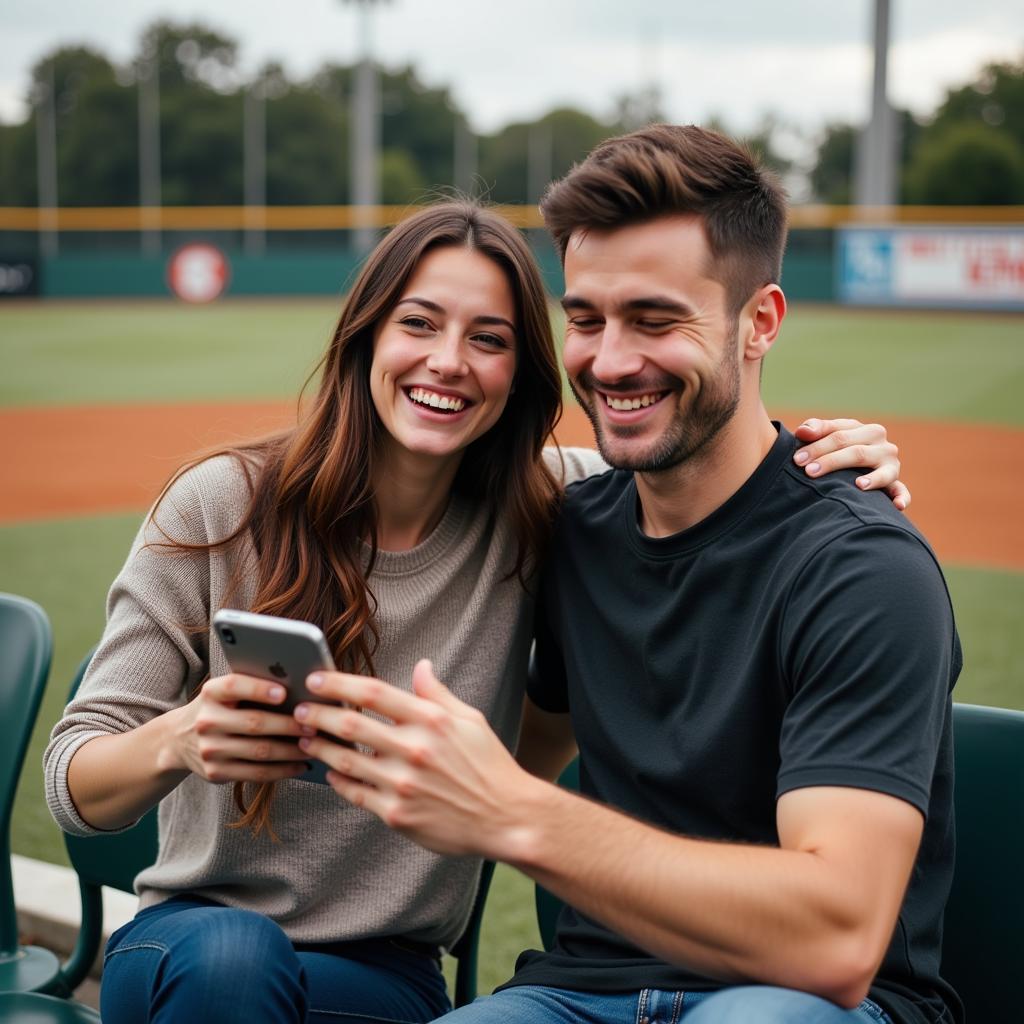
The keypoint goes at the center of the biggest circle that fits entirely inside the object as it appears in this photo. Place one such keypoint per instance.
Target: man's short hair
(666, 169)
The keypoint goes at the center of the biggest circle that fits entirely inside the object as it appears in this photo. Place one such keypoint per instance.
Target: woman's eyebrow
(497, 321)
(426, 303)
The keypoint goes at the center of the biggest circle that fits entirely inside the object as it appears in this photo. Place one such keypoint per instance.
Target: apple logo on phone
(277, 670)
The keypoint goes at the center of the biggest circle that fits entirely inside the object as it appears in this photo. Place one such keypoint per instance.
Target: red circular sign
(198, 272)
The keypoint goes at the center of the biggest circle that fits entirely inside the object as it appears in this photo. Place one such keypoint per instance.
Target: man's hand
(437, 772)
(849, 444)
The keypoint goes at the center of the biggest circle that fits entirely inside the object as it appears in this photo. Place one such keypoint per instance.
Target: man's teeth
(625, 404)
(435, 401)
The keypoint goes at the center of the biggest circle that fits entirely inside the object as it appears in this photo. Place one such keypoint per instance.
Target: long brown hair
(312, 505)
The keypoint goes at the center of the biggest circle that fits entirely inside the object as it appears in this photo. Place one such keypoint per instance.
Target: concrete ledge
(50, 907)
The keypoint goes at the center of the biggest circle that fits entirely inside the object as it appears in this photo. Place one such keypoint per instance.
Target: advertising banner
(931, 267)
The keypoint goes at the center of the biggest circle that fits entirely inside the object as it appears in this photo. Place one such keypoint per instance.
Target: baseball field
(100, 401)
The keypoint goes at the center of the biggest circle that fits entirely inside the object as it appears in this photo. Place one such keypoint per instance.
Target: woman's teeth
(448, 403)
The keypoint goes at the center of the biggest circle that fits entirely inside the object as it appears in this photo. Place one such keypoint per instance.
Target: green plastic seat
(36, 1008)
(983, 928)
(26, 646)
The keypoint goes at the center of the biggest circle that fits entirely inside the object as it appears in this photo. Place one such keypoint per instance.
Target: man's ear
(762, 316)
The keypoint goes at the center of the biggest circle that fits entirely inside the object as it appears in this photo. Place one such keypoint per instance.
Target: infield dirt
(967, 480)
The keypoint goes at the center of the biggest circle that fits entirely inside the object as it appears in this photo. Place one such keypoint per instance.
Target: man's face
(651, 349)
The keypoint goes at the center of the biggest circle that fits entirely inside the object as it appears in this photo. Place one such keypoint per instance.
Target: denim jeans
(192, 960)
(748, 1004)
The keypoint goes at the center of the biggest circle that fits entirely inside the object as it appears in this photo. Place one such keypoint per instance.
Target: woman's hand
(849, 444)
(216, 739)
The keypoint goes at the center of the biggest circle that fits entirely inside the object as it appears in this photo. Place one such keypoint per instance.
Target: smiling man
(756, 666)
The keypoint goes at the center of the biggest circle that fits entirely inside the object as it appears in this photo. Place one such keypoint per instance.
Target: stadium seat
(984, 920)
(26, 646)
(983, 934)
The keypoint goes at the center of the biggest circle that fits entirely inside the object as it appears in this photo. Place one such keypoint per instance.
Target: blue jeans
(748, 1004)
(192, 960)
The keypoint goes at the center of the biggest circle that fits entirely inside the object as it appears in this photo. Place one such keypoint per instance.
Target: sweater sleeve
(572, 464)
(153, 652)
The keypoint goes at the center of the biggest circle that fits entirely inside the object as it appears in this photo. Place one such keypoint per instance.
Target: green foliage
(994, 98)
(970, 153)
(307, 130)
(968, 163)
(557, 140)
(832, 174)
(307, 143)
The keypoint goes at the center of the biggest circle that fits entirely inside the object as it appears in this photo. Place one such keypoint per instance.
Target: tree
(564, 136)
(966, 163)
(96, 140)
(973, 150)
(832, 173)
(836, 159)
(200, 113)
(995, 98)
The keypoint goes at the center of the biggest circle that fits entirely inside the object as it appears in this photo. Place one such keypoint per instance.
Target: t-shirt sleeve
(546, 683)
(870, 655)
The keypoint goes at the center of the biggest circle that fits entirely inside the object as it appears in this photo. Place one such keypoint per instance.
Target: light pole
(254, 138)
(364, 136)
(875, 183)
(149, 151)
(46, 163)
(464, 159)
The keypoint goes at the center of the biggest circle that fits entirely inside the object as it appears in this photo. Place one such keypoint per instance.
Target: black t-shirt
(800, 635)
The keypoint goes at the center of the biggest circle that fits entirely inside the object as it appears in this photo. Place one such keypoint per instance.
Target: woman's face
(444, 357)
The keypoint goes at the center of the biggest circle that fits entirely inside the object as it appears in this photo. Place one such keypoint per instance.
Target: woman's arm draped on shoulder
(147, 662)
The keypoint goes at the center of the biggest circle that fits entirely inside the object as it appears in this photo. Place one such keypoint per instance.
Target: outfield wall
(87, 272)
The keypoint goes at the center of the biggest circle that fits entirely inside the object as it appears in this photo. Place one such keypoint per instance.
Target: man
(756, 666)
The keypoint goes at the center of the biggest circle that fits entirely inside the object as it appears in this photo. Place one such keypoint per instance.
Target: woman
(404, 515)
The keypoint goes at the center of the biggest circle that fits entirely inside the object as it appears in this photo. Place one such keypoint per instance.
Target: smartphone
(282, 650)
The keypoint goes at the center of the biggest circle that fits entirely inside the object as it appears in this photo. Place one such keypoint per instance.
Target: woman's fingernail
(304, 744)
(801, 457)
(277, 693)
(814, 467)
(862, 481)
(302, 712)
(315, 681)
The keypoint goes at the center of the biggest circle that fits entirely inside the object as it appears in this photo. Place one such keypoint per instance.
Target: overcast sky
(807, 61)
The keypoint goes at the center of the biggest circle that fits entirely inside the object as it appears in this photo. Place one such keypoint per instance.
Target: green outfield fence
(308, 250)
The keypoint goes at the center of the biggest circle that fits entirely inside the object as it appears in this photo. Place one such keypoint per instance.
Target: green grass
(88, 352)
(931, 365)
(939, 365)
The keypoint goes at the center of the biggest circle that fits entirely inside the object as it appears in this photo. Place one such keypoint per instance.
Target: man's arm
(816, 914)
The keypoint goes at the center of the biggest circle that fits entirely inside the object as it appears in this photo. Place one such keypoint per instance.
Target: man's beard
(690, 431)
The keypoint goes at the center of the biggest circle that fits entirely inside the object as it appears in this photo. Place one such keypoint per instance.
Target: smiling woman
(403, 514)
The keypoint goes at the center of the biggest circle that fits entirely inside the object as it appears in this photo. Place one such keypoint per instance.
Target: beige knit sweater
(337, 873)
